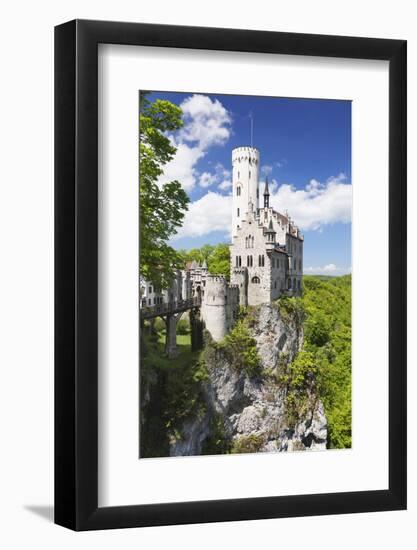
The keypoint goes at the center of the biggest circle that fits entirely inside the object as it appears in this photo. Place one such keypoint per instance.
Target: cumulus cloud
(206, 123)
(318, 204)
(329, 269)
(221, 177)
(225, 185)
(206, 179)
(213, 212)
(182, 167)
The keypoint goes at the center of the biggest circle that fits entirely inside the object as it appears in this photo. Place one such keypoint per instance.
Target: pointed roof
(270, 227)
(266, 190)
(204, 266)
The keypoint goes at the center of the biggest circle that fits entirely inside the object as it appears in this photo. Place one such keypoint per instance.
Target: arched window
(238, 190)
(256, 280)
(249, 261)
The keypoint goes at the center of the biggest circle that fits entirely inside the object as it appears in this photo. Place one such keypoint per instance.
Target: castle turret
(245, 161)
(214, 306)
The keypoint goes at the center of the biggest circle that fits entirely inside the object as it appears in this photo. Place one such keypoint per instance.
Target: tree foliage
(328, 340)
(162, 207)
(216, 256)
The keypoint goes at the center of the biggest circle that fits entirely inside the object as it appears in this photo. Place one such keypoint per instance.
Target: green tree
(219, 261)
(162, 207)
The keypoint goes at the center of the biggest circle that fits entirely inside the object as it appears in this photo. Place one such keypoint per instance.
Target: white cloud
(318, 204)
(225, 185)
(182, 167)
(213, 212)
(329, 269)
(206, 123)
(207, 179)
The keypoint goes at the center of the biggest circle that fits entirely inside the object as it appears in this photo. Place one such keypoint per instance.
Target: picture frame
(76, 274)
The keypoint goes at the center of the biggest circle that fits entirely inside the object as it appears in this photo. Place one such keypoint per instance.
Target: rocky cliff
(246, 402)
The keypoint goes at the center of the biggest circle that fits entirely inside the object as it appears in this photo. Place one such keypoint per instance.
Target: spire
(266, 193)
(271, 232)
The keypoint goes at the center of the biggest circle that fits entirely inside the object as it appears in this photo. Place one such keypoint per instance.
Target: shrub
(159, 324)
(240, 349)
(251, 443)
(183, 327)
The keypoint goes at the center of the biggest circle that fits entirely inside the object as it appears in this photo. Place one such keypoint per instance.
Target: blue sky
(305, 148)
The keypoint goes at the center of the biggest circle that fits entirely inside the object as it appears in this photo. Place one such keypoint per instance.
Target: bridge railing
(169, 307)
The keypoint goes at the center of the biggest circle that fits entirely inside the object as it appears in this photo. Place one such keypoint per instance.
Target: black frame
(76, 270)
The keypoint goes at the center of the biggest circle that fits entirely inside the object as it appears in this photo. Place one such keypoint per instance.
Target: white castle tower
(245, 161)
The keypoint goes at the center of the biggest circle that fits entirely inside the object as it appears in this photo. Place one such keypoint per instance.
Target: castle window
(249, 173)
(150, 290)
(253, 241)
(249, 261)
(275, 284)
(238, 175)
(257, 193)
(238, 191)
(237, 261)
(238, 212)
(256, 280)
(261, 260)
(149, 301)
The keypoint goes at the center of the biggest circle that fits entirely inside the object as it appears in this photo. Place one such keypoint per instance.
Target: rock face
(252, 409)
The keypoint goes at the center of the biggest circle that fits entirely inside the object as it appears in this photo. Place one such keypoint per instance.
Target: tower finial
(266, 193)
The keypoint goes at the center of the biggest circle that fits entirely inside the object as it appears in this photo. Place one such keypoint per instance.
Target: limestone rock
(254, 407)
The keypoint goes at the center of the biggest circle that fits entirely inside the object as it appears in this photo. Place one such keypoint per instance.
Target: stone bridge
(171, 312)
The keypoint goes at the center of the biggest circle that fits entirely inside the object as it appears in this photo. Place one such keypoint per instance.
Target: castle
(266, 256)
